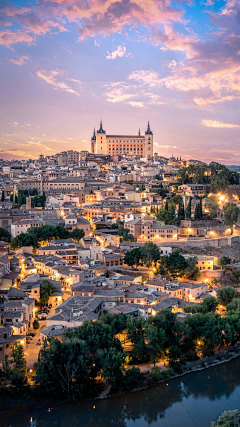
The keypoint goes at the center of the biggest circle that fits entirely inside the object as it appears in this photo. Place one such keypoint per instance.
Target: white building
(133, 145)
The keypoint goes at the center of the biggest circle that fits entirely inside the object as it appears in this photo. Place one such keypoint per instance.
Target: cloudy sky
(65, 64)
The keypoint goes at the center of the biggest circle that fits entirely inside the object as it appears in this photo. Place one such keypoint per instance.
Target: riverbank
(190, 400)
(168, 374)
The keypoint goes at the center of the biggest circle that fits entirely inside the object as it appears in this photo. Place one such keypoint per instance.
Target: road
(32, 350)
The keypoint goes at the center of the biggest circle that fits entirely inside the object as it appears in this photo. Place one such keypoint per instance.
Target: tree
(2, 197)
(35, 324)
(117, 322)
(155, 341)
(46, 290)
(133, 257)
(198, 210)
(212, 206)
(234, 305)
(24, 239)
(124, 233)
(175, 264)
(64, 369)
(209, 304)
(112, 363)
(223, 261)
(78, 234)
(49, 232)
(228, 419)
(226, 295)
(136, 334)
(149, 254)
(164, 216)
(18, 375)
(231, 212)
(189, 208)
(5, 235)
(192, 271)
(181, 210)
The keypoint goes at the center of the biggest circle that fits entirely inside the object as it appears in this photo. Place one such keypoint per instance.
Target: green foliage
(46, 290)
(5, 236)
(226, 295)
(156, 376)
(24, 239)
(124, 233)
(209, 304)
(35, 324)
(49, 232)
(223, 261)
(215, 174)
(112, 363)
(198, 211)
(64, 370)
(181, 214)
(175, 264)
(117, 322)
(149, 254)
(155, 338)
(133, 257)
(212, 205)
(164, 216)
(228, 419)
(136, 334)
(231, 212)
(77, 234)
(2, 196)
(13, 372)
(192, 271)
(234, 305)
(189, 208)
(133, 379)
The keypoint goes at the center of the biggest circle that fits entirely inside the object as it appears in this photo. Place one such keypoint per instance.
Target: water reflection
(184, 401)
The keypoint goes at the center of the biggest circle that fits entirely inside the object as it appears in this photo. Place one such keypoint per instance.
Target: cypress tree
(3, 197)
(189, 208)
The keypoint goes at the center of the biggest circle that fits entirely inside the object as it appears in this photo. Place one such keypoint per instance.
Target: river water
(193, 400)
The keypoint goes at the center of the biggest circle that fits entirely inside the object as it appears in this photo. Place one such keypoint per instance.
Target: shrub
(156, 375)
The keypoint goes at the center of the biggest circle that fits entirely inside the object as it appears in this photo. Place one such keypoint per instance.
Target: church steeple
(139, 132)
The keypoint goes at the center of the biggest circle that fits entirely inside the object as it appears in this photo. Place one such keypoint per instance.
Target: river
(189, 401)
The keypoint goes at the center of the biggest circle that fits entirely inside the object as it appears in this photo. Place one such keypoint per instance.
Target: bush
(166, 374)
(156, 375)
(133, 379)
(35, 324)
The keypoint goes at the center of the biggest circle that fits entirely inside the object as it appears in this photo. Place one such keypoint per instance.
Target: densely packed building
(108, 202)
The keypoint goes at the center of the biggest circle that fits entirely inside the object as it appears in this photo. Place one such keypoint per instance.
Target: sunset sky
(66, 64)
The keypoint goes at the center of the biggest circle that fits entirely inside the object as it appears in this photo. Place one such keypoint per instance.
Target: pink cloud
(95, 17)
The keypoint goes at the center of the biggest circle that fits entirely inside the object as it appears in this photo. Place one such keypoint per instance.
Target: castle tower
(93, 142)
(148, 142)
(101, 141)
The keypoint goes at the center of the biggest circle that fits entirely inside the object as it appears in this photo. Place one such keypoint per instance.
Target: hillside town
(84, 234)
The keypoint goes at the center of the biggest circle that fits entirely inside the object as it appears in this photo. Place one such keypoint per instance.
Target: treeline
(174, 264)
(215, 174)
(36, 235)
(37, 200)
(95, 350)
(92, 356)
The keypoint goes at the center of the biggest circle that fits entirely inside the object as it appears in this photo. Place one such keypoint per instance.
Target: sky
(67, 64)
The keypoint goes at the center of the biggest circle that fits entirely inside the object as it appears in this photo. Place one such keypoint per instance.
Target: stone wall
(203, 243)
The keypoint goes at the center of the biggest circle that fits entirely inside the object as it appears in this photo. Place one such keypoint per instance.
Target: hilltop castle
(132, 145)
